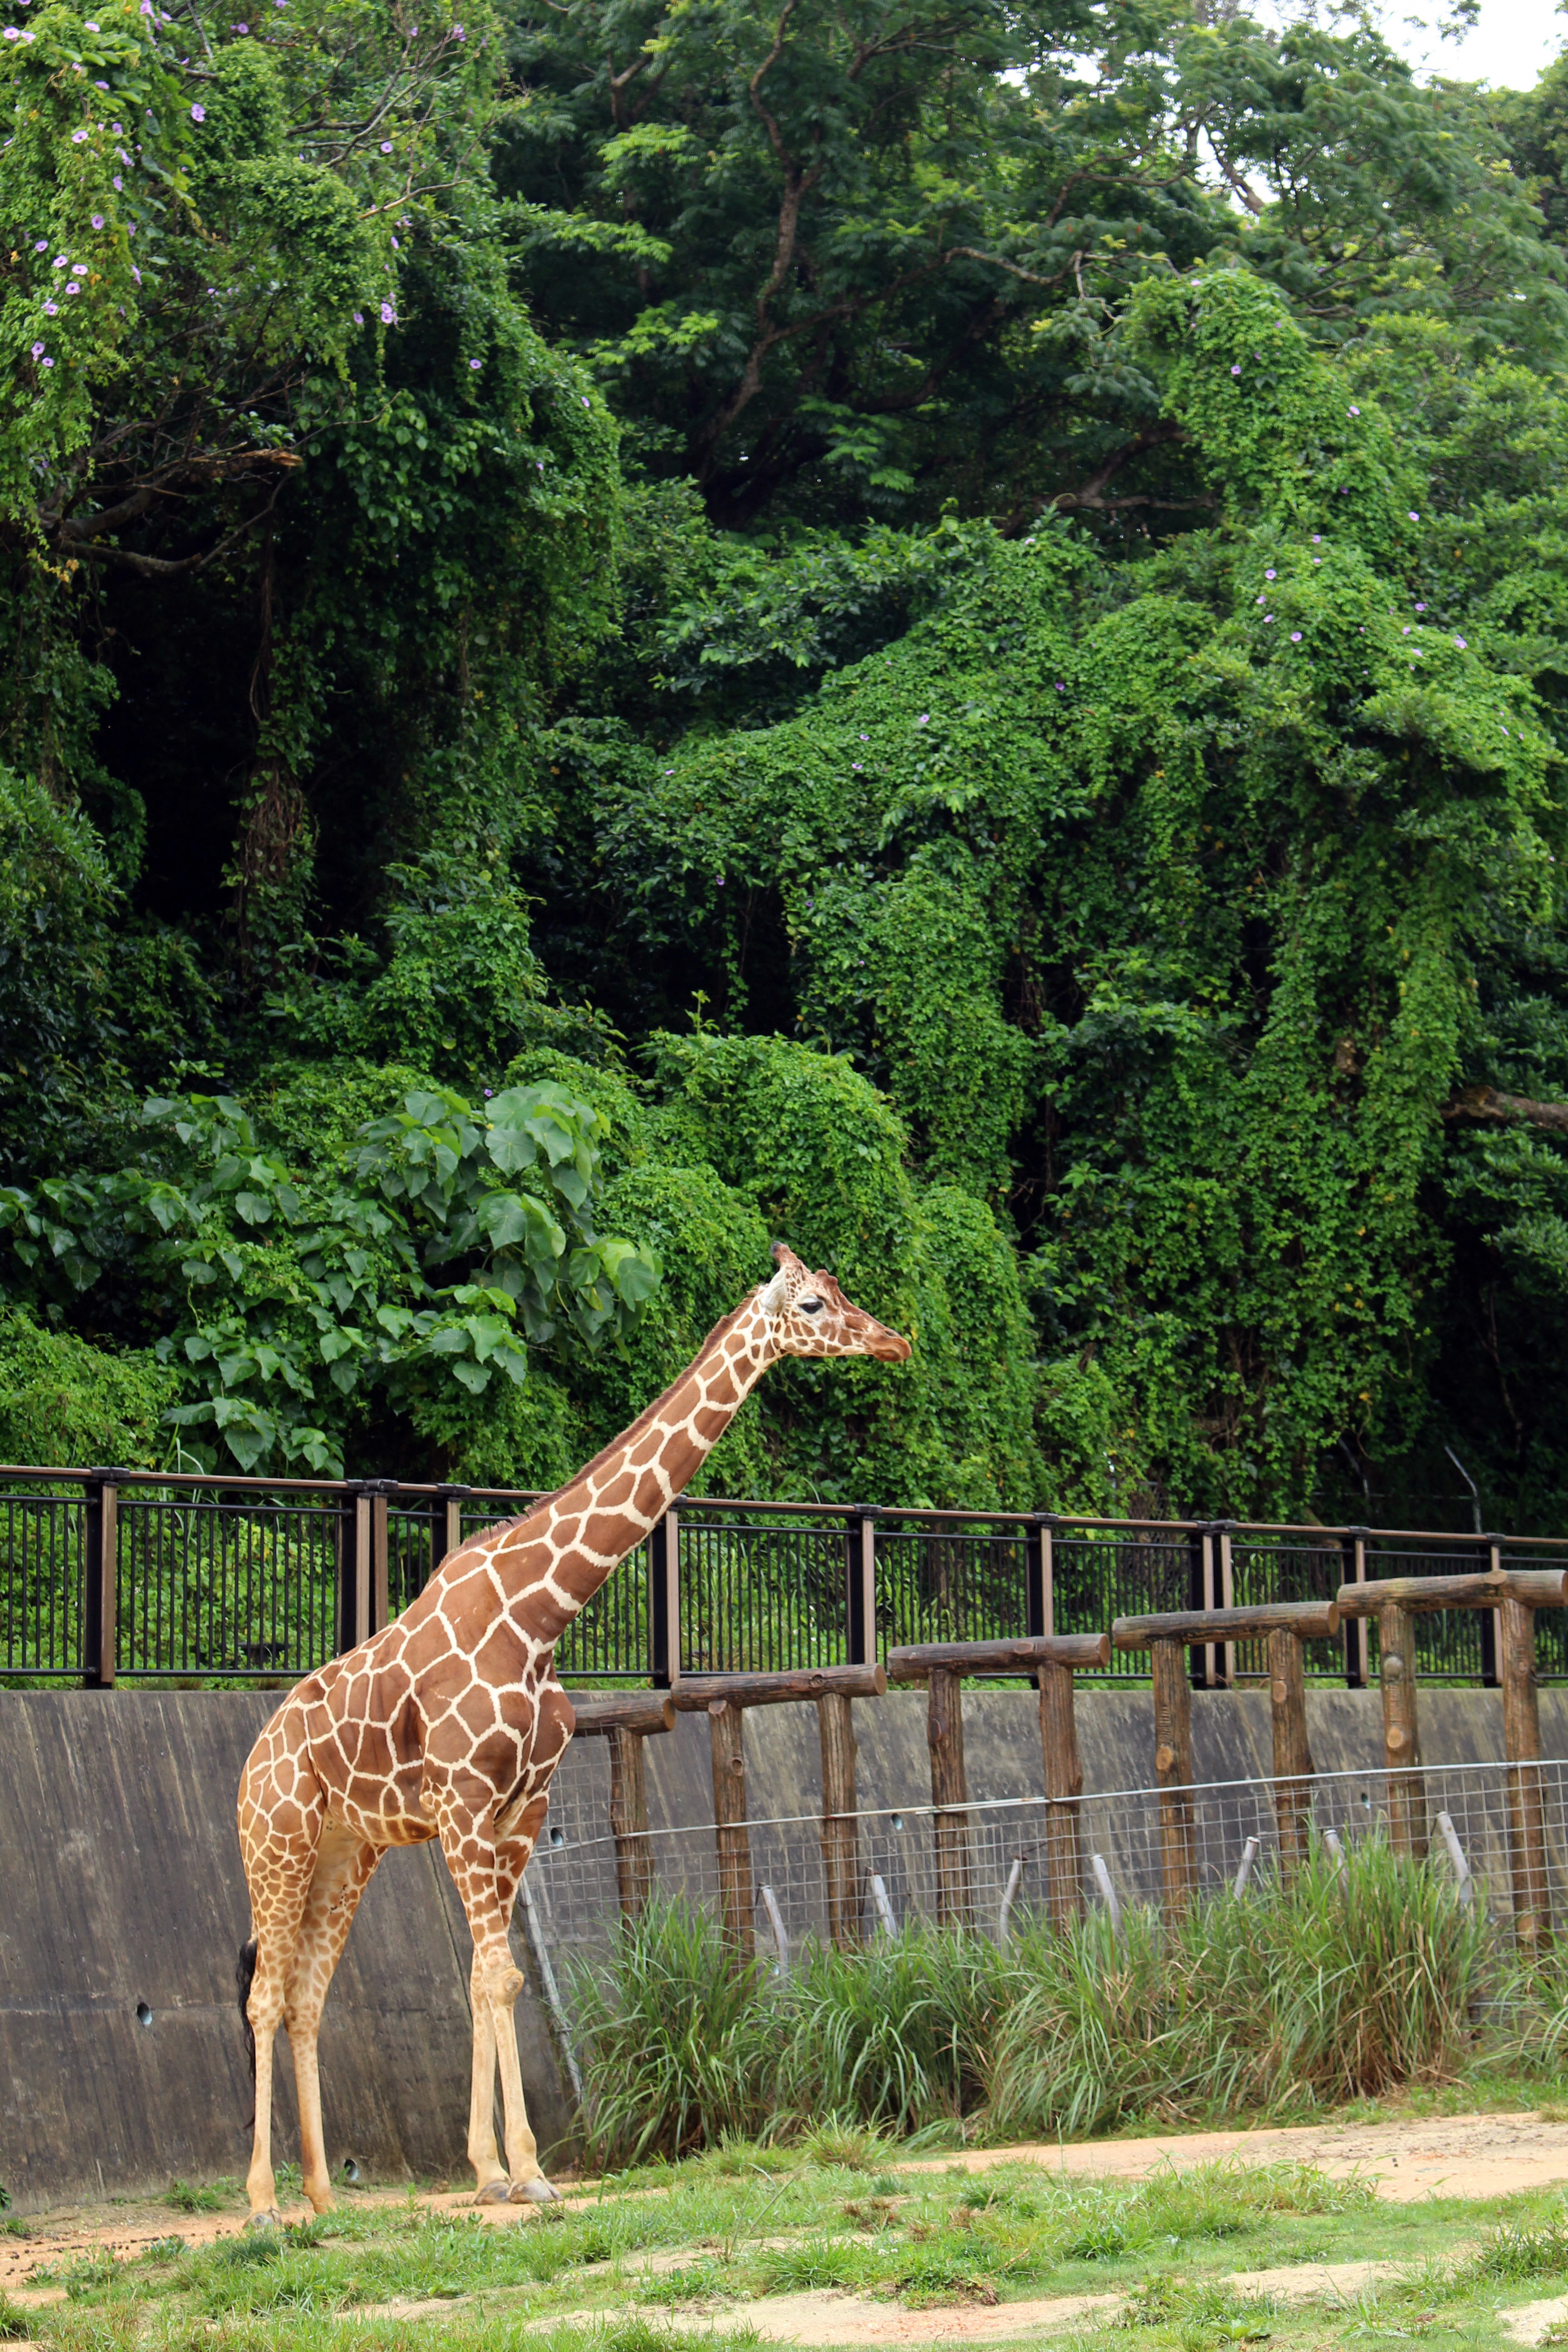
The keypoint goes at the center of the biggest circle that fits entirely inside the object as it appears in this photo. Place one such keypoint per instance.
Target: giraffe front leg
(345, 1863)
(465, 1820)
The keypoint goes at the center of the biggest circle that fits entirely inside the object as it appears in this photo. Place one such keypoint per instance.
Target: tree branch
(1487, 1102)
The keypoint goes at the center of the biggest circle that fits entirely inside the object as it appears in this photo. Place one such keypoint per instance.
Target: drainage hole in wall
(897, 1821)
(350, 2168)
(557, 1837)
(144, 2015)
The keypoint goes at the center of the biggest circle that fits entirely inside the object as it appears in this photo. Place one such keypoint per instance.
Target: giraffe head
(808, 1315)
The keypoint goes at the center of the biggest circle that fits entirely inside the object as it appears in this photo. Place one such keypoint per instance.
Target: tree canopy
(940, 631)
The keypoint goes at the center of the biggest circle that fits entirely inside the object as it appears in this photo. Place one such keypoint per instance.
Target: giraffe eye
(809, 1305)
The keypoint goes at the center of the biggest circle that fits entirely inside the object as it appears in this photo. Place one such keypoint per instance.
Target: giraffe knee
(501, 1979)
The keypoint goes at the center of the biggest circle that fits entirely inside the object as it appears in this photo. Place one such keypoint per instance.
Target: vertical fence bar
(1040, 1596)
(1222, 1584)
(1199, 1572)
(664, 1602)
(1492, 1562)
(449, 1501)
(860, 1590)
(99, 1596)
(1173, 1773)
(364, 1564)
(380, 1595)
(1357, 1636)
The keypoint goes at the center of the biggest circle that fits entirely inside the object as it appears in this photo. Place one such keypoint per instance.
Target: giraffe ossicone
(449, 1723)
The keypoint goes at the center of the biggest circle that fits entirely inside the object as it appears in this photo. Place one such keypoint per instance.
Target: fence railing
(107, 1573)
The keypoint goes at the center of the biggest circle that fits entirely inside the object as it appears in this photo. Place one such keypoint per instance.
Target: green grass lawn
(725, 2231)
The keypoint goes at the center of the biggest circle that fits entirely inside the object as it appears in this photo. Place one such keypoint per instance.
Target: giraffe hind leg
(279, 1831)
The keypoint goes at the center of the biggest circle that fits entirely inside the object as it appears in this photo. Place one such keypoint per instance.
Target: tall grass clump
(894, 2036)
(1297, 1995)
(1292, 1998)
(671, 2039)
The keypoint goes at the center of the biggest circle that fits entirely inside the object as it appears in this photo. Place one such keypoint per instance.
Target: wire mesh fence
(106, 1573)
(906, 1875)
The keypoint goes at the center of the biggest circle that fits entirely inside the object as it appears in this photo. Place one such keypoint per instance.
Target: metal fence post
(380, 1580)
(1222, 1595)
(100, 1585)
(1199, 1575)
(1353, 1553)
(664, 1602)
(860, 1587)
(447, 1516)
(348, 1564)
(1492, 1563)
(1039, 1579)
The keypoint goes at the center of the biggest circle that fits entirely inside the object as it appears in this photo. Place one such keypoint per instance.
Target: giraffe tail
(244, 1976)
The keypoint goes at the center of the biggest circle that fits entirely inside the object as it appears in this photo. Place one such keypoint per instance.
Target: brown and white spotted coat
(450, 1722)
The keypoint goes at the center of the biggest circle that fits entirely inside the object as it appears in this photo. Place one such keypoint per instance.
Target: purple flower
(51, 310)
(136, 273)
(720, 880)
(474, 364)
(359, 318)
(1317, 538)
(386, 146)
(12, 33)
(1295, 636)
(78, 269)
(1353, 411)
(59, 261)
(100, 84)
(72, 287)
(42, 246)
(198, 115)
(39, 353)
(856, 765)
(46, 362)
(117, 182)
(78, 137)
(98, 220)
(118, 129)
(1269, 616)
(864, 738)
(395, 245)
(1317, 558)
(1270, 575)
(1461, 644)
(924, 718)
(586, 402)
(388, 315)
(1404, 631)
(1235, 371)
(1413, 516)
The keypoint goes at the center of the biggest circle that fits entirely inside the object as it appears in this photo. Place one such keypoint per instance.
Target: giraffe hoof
(534, 2192)
(493, 2192)
(268, 2219)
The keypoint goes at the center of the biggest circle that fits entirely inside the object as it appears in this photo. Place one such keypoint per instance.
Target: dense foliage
(943, 632)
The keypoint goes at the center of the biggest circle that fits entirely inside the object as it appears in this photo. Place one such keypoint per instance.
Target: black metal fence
(111, 1573)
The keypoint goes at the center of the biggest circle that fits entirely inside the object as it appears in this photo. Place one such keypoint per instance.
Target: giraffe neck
(563, 1552)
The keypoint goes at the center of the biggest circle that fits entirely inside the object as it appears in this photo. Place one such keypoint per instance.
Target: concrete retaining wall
(121, 1886)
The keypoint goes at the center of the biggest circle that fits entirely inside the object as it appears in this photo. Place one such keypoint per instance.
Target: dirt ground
(1458, 2155)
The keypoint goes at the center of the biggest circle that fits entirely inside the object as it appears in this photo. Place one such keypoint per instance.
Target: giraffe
(449, 1723)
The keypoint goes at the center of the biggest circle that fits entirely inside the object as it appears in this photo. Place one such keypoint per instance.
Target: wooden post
(1292, 1754)
(949, 1794)
(1526, 1807)
(1407, 1827)
(1174, 1772)
(725, 1721)
(1064, 1787)
(628, 1821)
(840, 1818)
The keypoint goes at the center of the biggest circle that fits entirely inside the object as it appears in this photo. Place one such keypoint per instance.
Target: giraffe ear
(773, 1296)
